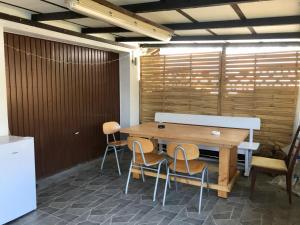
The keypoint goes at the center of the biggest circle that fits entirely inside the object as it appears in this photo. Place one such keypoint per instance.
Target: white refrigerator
(17, 177)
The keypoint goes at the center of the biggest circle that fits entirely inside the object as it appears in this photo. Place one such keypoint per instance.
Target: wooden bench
(250, 123)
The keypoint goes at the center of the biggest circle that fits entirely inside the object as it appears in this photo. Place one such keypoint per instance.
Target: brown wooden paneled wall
(60, 94)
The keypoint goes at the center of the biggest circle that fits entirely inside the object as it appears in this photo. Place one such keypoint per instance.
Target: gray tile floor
(83, 196)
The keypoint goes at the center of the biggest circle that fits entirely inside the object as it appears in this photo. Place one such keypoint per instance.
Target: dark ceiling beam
(145, 7)
(31, 23)
(102, 30)
(241, 15)
(186, 15)
(286, 20)
(218, 37)
(205, 45)
(177, 4)
(66, 15)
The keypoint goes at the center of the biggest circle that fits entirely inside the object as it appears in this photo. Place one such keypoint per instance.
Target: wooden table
(227, 142)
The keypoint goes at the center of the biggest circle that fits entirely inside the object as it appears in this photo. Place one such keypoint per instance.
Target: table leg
(233, 162)
(136, 175)
(227, 168)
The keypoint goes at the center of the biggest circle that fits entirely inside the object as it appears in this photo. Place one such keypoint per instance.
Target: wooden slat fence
(263, 85)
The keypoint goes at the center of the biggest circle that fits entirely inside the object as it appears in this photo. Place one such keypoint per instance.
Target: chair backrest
(293, 152)
(182, 152)
(140, 146)
(191, 151)
(111, 127)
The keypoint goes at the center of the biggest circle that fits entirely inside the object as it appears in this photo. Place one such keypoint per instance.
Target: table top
(229, 137)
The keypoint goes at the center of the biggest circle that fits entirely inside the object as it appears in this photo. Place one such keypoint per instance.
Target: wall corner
(4, 130)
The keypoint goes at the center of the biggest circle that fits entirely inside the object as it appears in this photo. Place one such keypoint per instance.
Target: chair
(110, 128)
(185, 164)
(144, 158)
(277, 166)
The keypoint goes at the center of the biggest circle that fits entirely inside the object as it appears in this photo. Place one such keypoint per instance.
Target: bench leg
(160, 148)
(246, 166)
(248, 158)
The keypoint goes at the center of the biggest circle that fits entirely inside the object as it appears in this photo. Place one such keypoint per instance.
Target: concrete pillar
(3, 94)
(129, 89)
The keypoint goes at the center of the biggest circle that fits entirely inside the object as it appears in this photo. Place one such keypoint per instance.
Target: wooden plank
(224, 170)
(194, 134)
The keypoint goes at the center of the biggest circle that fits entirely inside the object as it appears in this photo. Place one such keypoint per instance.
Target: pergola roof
(191, 20)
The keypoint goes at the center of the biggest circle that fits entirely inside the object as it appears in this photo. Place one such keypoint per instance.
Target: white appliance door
(17, 179)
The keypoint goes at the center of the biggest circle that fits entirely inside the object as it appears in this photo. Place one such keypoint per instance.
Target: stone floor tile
(121, 219)
(222, 215)
(85, 196)
(67, 217)
(193, 221)
(226, 222)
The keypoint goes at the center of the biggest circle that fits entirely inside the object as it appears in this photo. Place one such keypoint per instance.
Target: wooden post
(224, 174)
(233, 162)
(136, 175)
(227, 168)
(221, 78)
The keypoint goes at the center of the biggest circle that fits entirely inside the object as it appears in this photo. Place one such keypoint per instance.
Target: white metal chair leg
(128, 178)
(166, 171)
(142, 172)
(156, 182)
(166, 185)
(201, 190)
(200, 200)
(104, 157)
(175, 181)
(207, 182)
(116, 154)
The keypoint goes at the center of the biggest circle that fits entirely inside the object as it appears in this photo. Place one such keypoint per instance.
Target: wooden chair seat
(118, 143)
(276, 166)
(185, 156)
(267, 163)
(109, 129)
(195, 166)
(144, 158)
(151, 158)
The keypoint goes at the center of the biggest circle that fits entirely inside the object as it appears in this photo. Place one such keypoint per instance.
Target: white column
(129, 90)
(135, 91)
(297, 116)
(3, 95)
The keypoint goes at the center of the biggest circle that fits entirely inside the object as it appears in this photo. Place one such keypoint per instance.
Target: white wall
(3, 96)
(129, 90)
(135, 93)
(297, 117)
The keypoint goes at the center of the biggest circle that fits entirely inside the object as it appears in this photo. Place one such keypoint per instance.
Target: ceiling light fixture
(110, 13)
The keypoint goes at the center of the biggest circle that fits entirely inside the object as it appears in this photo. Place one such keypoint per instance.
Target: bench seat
(245, 148)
